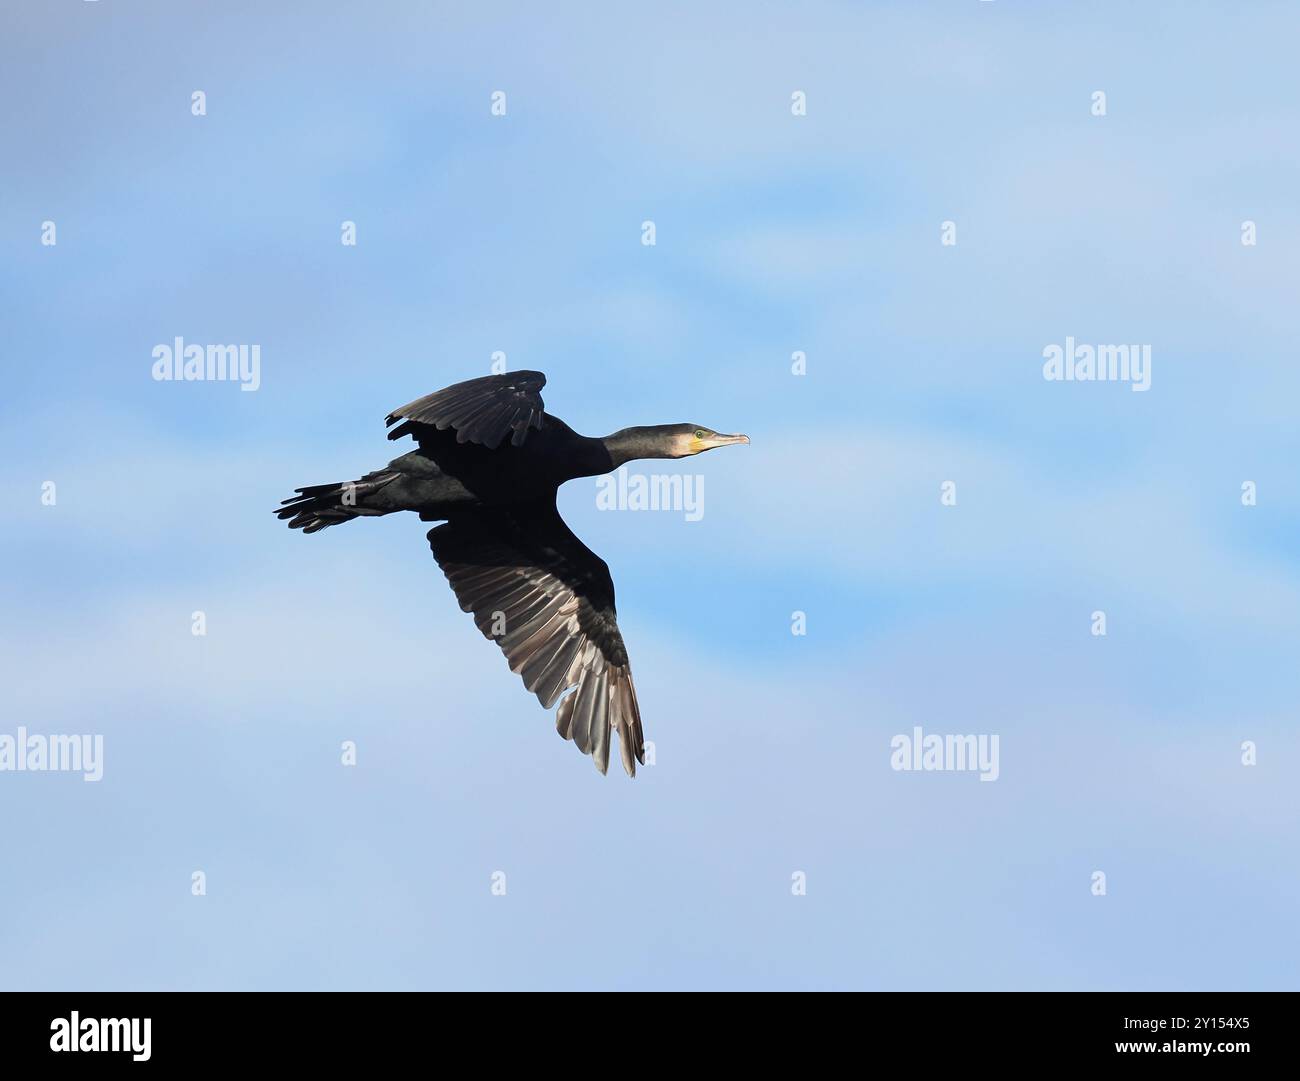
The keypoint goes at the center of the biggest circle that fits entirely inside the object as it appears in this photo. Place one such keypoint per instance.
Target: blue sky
(775, 233)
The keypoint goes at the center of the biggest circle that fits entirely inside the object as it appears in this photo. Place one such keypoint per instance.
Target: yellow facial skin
(704, 439)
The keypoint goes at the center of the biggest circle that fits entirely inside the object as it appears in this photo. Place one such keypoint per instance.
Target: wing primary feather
(522, 562)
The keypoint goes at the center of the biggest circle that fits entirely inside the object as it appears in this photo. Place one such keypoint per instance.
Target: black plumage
(488, 464)
(483, 410)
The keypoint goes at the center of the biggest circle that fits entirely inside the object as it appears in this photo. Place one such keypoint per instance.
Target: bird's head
(683, 440)
(665, 441)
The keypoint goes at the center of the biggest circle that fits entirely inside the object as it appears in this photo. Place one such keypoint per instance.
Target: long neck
(630, 444)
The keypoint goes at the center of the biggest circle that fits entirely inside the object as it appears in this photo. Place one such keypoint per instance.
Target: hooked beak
(727, 440)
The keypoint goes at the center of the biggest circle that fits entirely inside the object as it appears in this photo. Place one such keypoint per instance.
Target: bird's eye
(699, 433)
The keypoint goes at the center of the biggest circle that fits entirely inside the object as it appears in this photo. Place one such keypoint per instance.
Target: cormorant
(488, 464)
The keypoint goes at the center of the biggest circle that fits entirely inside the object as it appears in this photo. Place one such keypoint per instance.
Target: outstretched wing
(548, 601)
(483, 410)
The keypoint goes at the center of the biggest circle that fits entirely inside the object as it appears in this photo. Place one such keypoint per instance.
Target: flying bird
(487, 464)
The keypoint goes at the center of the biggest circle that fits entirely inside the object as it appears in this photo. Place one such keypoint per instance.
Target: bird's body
(448, 473)
(488, 464)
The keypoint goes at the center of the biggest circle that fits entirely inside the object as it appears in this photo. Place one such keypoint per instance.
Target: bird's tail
(323, 505)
